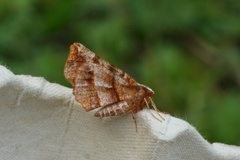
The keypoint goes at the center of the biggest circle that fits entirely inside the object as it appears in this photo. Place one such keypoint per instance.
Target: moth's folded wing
(96, 82)
(113, 109)
(117, 74)
(94, 87)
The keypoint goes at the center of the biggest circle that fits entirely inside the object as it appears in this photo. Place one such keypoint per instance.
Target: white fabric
(41, 120)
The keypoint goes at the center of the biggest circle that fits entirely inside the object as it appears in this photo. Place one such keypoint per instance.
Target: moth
(98, 84)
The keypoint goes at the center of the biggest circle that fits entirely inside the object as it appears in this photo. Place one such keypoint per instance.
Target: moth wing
(96, 83)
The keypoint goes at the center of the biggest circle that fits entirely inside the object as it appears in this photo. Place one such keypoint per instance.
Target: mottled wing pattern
(96, 83)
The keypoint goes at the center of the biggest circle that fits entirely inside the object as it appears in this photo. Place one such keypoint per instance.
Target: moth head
(148, 91)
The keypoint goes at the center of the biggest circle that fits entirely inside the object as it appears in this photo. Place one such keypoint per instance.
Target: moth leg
(113, 109)
(146, 103)
(135, 122)
(153, 104)
(155, 108)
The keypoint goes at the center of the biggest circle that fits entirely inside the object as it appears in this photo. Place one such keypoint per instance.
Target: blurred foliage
(187, 51)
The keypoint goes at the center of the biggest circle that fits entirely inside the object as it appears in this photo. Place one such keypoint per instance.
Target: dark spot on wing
(96, 60)
(121, 75)
(111, 69)
(80, 59)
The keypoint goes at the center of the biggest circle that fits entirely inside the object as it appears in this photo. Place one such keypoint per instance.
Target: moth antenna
(155, 108)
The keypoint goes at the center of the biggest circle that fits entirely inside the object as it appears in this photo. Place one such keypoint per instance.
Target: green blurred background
(188, 52)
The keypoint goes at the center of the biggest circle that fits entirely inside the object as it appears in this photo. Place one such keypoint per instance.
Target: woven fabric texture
(41, 120)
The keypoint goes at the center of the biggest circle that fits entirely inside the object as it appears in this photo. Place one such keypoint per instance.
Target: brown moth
(96, 83)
